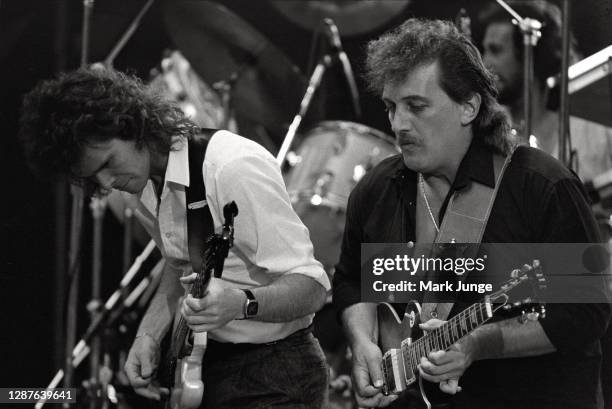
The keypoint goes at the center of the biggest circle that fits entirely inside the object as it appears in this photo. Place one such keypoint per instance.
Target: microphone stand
(531, 34)
(76, 221)
(87, 11)
(108, 61)
(128, 232)
(336, 44)
(313, 85)
(82, 349)
(564, 134)
(98, 208)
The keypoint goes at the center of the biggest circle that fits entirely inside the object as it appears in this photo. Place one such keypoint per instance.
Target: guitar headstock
(529, 306)
(230, 211)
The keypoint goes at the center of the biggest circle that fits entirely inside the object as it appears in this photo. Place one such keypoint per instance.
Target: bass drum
(333, 157)
(176, 80)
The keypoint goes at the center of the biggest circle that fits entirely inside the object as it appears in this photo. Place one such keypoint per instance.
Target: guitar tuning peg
(515, 273)
(526, 268)
(533, 316)
(536, 263)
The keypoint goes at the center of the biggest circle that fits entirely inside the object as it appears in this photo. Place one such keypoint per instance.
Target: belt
(214, 347)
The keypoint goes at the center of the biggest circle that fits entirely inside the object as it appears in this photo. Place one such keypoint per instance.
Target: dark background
(40, 38)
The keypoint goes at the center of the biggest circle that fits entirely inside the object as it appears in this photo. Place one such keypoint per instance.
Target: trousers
(291, 373)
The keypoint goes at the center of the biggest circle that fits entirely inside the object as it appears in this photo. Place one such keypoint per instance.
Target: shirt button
(168, 235)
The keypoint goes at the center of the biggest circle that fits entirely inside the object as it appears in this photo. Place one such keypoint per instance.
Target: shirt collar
(177, 170)
(477, 165)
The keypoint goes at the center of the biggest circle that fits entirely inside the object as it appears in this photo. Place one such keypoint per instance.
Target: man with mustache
(502, 46)
(106, 130)
(442, 107)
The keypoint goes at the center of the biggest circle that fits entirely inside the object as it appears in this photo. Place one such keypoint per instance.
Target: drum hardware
(315, 82)
(361, 169)
(590, 96)
(217, 42)
(108, 61)
(353, 17)
(321, 188)
(530, 28)
(313, 85)
(224, 89)
(176, 80)
(336, 44)
(293, 159)
(331, 159)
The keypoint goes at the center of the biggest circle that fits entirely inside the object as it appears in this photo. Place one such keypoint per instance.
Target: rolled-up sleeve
(268, 230)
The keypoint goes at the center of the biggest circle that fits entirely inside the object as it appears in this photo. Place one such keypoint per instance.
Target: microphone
(334, 38)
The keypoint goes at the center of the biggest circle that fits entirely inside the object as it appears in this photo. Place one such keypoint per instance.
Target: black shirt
(539, 201)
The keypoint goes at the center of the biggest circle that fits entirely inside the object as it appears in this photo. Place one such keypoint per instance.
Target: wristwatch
(251, 306)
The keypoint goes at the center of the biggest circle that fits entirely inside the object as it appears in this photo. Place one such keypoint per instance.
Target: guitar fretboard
(446, 335)
(198, 288)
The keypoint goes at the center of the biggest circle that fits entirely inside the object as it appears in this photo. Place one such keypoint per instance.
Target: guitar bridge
(393, 372)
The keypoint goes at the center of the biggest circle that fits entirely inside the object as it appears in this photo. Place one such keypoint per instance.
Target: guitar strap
(465, 221)
(200, 224)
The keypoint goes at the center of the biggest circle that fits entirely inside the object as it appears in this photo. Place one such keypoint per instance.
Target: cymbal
(353, 17)
(219, 44)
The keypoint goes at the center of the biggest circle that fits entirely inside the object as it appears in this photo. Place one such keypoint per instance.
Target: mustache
(405, 137)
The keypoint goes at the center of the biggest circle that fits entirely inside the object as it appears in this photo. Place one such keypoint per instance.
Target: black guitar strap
(200, 224)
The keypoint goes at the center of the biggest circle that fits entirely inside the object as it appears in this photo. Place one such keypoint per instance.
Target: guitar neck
(197, 290)
(400, 365)
(446, 335)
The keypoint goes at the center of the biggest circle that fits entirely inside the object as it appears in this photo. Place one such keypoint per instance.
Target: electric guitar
(187, 348)
(403, 343)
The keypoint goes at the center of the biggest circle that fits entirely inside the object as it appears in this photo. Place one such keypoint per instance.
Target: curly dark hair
(416, 42)
(61, 116)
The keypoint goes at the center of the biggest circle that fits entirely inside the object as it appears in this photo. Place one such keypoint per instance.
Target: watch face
(251, 309)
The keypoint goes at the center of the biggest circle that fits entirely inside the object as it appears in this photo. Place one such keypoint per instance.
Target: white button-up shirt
(269, 239)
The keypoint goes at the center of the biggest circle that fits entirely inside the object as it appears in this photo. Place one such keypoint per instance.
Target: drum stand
(224, 88)
(76, 227)
(530, 28)
(98, 209)
(313, 85)
(108, 61)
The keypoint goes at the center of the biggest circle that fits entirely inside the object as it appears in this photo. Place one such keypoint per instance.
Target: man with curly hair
(106, 130)
(453, 135)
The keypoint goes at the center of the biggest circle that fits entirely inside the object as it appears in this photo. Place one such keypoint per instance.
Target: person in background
(502, 46)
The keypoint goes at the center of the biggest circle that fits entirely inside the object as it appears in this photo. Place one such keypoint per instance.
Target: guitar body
(397, 333)
(393, 329)
(189, 387)
(394, 334)
(404, 344)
